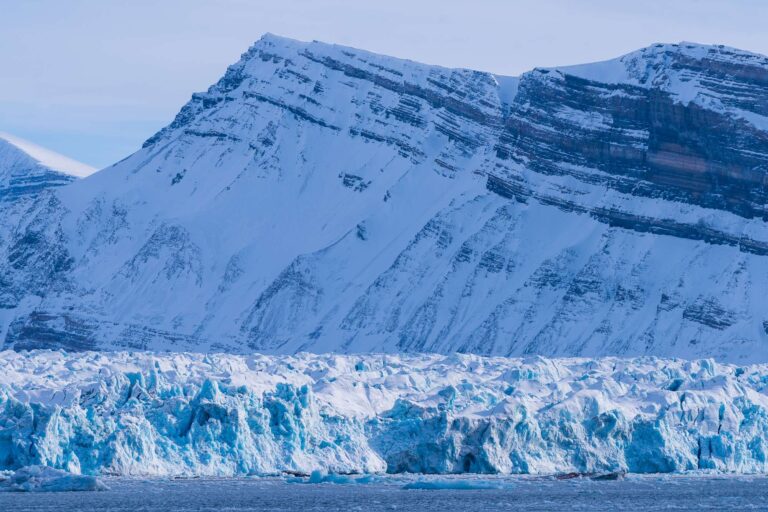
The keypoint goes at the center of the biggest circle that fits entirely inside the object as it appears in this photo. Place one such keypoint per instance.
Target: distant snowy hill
(323, 198)
(26, 168)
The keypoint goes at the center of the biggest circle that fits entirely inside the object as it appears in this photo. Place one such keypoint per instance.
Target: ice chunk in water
(46, 479)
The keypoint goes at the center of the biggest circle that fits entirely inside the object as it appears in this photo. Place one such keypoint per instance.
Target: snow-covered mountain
(26, 168)
(324, 198)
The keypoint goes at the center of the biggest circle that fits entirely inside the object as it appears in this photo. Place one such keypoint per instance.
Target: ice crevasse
(195, 414)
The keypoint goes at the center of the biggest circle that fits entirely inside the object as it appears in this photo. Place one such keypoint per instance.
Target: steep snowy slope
(28, 173)
(26, 169)
(324, 198)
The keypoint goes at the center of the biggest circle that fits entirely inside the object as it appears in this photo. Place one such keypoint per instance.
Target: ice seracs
(193, 414)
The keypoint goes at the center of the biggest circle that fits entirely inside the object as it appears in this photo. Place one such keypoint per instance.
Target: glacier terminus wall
(233, 415)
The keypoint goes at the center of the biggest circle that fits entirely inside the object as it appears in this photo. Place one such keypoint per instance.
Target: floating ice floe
(457, 484)
(46, 479)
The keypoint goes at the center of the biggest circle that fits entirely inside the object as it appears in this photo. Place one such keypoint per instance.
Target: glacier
(326, 199)
(334, 262)
(179, 414)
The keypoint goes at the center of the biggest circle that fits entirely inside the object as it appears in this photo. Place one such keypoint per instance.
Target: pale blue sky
(93, 78)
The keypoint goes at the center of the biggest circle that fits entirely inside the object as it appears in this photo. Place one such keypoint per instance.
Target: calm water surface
(648, 493)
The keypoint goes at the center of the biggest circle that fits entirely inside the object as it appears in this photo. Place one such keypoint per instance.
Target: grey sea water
(648, 493)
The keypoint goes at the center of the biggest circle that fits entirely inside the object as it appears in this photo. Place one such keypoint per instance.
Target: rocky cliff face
(324, 198)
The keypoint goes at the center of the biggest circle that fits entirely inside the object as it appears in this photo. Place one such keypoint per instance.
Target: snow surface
(193, 414)
(48, 158)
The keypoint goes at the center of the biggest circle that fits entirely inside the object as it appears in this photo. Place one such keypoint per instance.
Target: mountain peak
(47, 158)
(702, 50)
(684, 68)
(276, 41)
